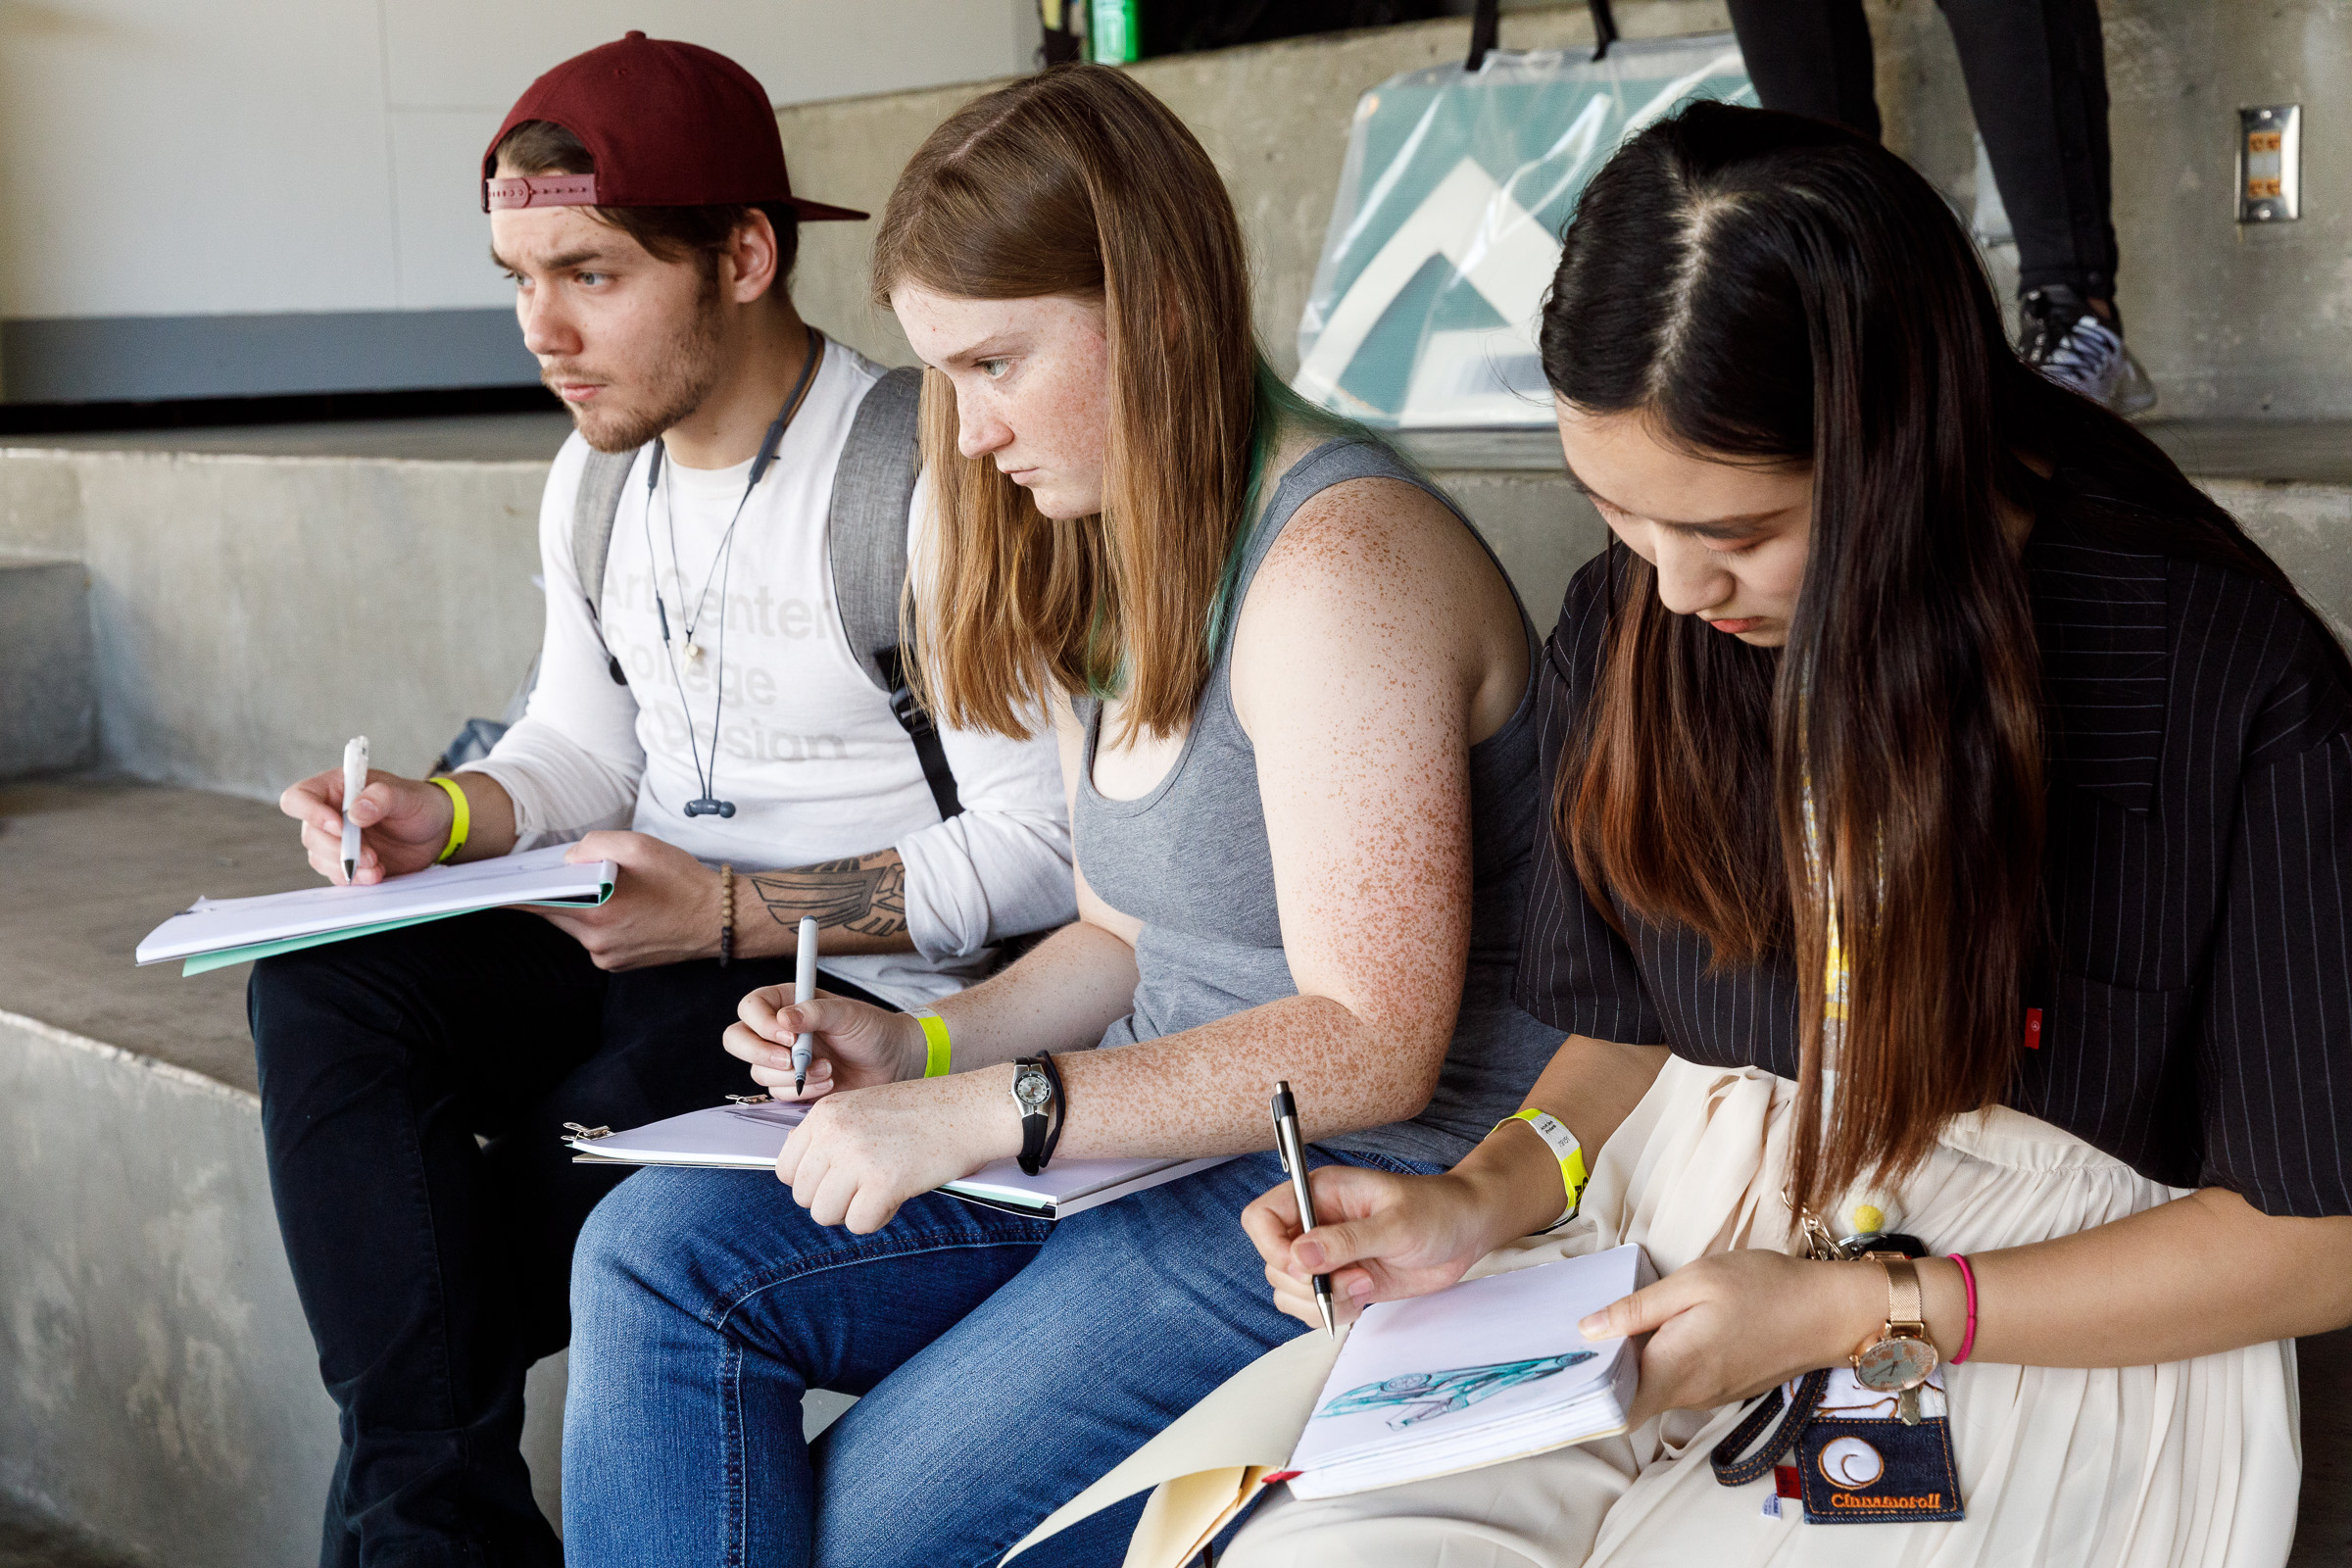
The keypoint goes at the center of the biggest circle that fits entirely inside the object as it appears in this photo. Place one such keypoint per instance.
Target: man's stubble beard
(684, 372)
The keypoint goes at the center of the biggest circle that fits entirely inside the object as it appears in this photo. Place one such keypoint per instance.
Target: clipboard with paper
(1445, 229)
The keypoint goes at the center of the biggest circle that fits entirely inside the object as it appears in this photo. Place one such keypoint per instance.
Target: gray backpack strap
(592, 512)
(867, 541)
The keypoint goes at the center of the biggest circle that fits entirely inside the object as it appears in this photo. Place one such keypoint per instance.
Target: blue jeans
(1004, 1363)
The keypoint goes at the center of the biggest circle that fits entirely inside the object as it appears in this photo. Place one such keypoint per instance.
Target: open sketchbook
(749, 1135)
(1493, 1370)
(213, 932)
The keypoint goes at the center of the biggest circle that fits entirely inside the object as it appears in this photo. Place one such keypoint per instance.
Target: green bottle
(1112, 33)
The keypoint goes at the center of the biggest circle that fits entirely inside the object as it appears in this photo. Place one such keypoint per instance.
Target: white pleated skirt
(2191, 1464)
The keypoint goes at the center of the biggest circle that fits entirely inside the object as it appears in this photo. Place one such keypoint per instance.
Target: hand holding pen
(1293, 1150)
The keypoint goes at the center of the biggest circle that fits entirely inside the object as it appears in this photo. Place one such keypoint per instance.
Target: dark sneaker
(2065, 341)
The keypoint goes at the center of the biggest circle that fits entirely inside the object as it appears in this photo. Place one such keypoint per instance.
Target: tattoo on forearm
(868, 895)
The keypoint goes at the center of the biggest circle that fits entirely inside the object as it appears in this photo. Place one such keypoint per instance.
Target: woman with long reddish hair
(1295, 698)
(1952, 856)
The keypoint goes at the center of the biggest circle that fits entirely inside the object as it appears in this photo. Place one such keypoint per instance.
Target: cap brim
(818, 212)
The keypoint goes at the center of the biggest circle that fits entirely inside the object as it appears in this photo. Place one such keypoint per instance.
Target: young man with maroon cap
(705, 717)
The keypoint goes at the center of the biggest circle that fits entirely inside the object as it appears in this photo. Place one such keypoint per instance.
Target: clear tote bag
(1446, 231)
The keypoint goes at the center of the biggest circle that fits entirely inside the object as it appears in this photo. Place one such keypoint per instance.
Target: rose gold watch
(1900, 1358)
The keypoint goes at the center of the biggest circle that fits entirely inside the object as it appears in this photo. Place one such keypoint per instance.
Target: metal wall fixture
(2270, 163)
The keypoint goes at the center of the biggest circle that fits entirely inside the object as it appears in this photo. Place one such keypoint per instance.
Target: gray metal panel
(142, 357)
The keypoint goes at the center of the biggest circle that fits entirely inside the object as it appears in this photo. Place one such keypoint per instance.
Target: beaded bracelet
(726, 916)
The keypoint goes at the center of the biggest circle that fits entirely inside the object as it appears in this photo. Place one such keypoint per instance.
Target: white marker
(354, 779)
(804, 988)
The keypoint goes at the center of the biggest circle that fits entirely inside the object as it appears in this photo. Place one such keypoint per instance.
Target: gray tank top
(1190, 860)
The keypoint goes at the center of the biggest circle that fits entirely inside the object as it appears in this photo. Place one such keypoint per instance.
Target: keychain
(1860, 1455)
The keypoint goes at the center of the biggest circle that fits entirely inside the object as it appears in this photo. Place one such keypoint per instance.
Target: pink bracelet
(1968, 1336)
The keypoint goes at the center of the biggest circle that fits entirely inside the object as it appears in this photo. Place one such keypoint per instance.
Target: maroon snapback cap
(669, 123)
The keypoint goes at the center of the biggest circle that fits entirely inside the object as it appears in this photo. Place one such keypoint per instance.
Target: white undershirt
(808, 748)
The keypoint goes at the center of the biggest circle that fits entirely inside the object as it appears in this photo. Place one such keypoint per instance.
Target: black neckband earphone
(722, 564)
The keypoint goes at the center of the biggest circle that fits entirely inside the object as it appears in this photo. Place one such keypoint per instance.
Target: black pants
(413, 1088)
(2037, 74)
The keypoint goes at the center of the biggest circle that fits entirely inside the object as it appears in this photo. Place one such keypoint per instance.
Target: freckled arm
(1356, 666)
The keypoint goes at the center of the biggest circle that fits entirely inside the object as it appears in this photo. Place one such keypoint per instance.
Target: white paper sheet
(752, 1136)
(534, 876)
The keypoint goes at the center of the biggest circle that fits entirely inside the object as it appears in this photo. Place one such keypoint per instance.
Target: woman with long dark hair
(1952, 829)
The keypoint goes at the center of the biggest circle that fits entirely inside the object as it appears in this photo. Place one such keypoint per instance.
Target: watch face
(1895, 1364)
(1032, 1089)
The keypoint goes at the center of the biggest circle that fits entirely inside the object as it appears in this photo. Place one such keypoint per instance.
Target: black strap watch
(1037, 1089)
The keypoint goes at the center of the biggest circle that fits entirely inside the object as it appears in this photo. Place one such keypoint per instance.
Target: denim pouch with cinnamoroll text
(1842, 1450)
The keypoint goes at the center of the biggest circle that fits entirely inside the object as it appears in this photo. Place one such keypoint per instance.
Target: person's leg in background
(2036, 73)
(425, 1258)
(1811, 58)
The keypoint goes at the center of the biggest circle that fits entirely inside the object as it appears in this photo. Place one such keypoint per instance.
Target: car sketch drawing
(1427, 1395)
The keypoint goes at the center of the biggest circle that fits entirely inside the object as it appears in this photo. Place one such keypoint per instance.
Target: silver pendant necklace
(708, 804)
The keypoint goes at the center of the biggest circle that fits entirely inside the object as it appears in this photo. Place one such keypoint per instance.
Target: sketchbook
(748, 1135)
(213, 932)
(1489, 1370)
(1493, 1370)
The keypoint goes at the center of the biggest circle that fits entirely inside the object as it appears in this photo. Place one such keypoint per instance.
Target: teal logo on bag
(1445, 231)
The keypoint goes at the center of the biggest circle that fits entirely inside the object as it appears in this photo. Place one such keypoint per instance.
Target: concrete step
(48, 676)
(259, 596)
(27, 1539)
(2289, 482)
(157, 1385)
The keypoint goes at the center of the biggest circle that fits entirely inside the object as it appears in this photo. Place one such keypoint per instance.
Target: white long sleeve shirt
(776, 716)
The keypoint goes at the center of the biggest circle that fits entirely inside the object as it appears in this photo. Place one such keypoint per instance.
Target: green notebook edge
(204, 962)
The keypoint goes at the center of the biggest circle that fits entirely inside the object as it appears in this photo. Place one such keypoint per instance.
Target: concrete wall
(147, 1305)
(253, 614)
(1273, 116)
(162, 162)
(48, 687)
(157, 1380)
(2230, 322)
(2303, 527)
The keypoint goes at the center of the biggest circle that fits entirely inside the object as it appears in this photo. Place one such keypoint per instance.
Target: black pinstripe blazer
(2197, 1011)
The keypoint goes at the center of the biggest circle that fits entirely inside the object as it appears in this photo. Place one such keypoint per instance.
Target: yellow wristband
(1564, 1149)
(461, 822)
(935, 1038)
